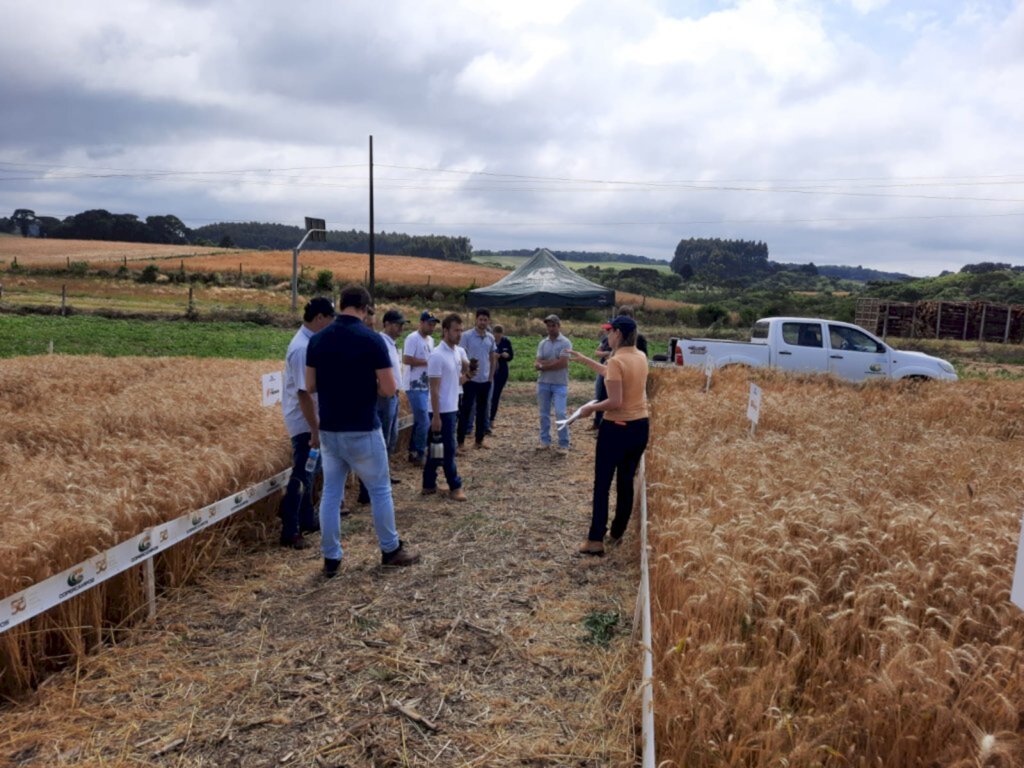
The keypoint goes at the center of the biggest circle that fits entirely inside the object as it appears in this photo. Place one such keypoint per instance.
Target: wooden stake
(149, 576)
(63, 300)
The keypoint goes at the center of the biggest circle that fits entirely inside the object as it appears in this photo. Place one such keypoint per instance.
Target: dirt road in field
(479, 656)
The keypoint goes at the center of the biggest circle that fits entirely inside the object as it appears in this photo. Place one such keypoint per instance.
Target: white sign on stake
(709, 367)
(272, 388)
(754, 406)
(1017, 592)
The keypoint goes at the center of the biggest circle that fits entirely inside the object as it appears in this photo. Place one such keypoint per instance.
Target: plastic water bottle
(314, 454)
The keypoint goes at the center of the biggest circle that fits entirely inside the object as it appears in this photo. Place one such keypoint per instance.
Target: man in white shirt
(415, 353)
(300, 419)
(387, 407)
(445, 371)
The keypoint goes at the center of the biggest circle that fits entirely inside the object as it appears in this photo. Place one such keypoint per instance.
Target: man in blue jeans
(348, 366)
(553, 381)
(300, 419)
(445, 370)
(415, 353)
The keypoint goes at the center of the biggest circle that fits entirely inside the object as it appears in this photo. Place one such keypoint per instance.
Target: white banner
(273, 386)
(32, 601)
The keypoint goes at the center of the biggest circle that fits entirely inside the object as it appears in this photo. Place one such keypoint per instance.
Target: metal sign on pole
(316, 229)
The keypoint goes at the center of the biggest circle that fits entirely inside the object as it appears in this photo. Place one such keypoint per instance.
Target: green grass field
(89, 335)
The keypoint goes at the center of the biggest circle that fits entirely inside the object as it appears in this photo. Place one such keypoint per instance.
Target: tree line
(100, 224)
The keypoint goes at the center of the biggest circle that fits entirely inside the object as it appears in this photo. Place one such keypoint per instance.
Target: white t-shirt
(396, 359)
(464, 358)
(445, 364)
(416, 346)
(294, 380)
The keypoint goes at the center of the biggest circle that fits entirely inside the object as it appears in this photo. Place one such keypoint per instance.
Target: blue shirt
(480, 348)
(347, 355)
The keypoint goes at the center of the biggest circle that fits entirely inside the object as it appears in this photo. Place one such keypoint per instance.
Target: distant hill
(586, 256)
(861, 274)
(277, 237)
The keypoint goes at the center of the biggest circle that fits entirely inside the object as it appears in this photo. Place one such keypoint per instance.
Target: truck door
(801, 348)
(855, 356)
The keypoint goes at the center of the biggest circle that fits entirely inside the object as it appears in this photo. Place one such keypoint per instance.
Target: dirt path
(263, 663)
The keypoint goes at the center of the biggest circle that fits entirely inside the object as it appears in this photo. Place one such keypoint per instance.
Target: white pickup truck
(812, 345)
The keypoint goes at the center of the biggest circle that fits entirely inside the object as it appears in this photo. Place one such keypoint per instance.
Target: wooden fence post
(191, 305)
(938, 320)
(981, 330)
(63, 299)
(1006, 332)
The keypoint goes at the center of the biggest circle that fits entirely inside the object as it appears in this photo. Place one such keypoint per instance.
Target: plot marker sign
(272, 388)
(754, 407)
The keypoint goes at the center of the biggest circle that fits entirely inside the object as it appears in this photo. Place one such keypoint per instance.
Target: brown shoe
(428, 491)
(481, 445)
(457, 495)
(595, 548)
(399, 557)
(295, 542)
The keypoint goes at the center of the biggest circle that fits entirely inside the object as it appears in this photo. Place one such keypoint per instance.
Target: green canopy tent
(543, 281)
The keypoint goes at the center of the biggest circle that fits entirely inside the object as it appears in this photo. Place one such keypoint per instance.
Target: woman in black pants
(622, 436)
(505, 354)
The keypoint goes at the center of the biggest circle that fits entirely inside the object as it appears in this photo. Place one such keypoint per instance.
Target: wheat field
(95, 450)
(834, 591)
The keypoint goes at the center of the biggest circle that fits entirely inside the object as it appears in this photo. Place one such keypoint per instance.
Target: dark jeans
(474, 394)
(499, 385)
(620, 445)
(451, 473)
(297, 505)
(600, 393)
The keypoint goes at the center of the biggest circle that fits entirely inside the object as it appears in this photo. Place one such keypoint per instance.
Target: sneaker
(395, 481)
(399, 557)
(417, 458)
(542, 447)
(481, 445)
(562, 451)
(592, 548)
(613, 541)
(344, 512)
(428, 491)
(457, 495)
(488, 432)
(331, 568)
(295, 542)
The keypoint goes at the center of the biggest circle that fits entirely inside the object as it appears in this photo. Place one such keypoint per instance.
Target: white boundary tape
(647, 682)
(41, 597)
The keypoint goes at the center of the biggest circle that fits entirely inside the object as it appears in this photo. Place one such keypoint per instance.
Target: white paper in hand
(564, 423)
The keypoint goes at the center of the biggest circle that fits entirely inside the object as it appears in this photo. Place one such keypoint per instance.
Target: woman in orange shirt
(622, 436)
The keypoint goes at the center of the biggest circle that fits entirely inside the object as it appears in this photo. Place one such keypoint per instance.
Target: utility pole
(372, 281)
(317, 230)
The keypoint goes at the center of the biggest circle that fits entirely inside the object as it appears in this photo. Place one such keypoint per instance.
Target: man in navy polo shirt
(348, 366)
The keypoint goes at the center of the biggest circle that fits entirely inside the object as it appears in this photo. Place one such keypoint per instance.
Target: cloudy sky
(886, 134)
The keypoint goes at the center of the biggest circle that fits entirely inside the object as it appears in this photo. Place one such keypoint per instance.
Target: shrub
(149, 273)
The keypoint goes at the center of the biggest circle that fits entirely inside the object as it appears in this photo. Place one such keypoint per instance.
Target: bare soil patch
(263, 663)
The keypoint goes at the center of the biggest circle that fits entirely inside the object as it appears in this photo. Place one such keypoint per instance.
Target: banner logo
(145, 544)
(17, 606)
(101, 564)
(76, 577)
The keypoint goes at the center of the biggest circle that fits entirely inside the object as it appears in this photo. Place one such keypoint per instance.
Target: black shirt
(347, 355)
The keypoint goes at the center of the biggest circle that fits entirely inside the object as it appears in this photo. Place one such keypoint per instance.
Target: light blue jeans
(365, 454)
(418, 399)
(546, 393)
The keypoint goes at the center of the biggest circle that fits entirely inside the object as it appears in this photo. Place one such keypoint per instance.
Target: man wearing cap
(553, 382)
(348, 364)
(387, 407)
(415, 354)
(300, 419)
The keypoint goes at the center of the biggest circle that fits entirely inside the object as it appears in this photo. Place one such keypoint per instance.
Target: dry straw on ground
(835, 591)
(94, 451)
(478, 656)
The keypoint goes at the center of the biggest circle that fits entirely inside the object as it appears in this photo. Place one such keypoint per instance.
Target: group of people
(341, 397)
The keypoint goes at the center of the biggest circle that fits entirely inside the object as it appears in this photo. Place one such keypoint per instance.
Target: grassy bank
(90, 335)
